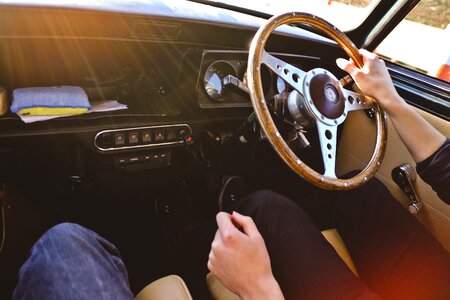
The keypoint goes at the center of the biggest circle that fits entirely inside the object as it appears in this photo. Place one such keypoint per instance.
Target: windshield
(344, 14)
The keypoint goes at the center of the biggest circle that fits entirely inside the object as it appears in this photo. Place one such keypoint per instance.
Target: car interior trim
(415, 87)
(152, 145)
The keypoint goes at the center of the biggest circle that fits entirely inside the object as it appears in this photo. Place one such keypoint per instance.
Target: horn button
(326, 95)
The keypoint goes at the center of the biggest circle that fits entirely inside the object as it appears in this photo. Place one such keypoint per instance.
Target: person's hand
(239, 259)
(373, 79)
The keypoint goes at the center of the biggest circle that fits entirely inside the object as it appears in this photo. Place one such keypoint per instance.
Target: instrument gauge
(266, 79)
(282, 86)
(213, 79)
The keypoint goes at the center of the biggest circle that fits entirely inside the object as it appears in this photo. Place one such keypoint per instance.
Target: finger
(226, 227)
(347, 66)
(209, 266)
(211, 261)
(223, 220)
(215, 245)
(367, 55)
(246, 223)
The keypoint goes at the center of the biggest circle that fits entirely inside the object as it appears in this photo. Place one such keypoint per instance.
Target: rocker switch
(403, 176)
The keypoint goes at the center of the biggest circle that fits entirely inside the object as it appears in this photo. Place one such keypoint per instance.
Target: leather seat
(170, 287)
(334, 238)
(173, 287)
(220, 292)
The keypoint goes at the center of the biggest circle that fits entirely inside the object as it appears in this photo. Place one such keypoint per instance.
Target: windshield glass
(344, 14)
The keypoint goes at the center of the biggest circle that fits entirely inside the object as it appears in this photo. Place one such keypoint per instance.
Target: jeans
(72, 262)
(396, 257)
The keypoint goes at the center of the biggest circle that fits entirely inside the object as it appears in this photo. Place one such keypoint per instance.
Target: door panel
(356, 147)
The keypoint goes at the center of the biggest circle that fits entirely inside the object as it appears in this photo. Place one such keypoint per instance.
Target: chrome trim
(284, 70)
(225, 105)
(140, 146)
(396, 72)
(328, 146)
(383, 22)
(300, 114)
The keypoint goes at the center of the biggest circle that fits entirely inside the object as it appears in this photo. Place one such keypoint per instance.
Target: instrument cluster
(223, 79)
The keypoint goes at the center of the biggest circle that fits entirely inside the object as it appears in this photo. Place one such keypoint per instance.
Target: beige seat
(220, 292)
(170, 287)
(334, 238)
(173, 287)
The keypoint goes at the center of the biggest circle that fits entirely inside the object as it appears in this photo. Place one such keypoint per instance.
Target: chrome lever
(234, 81)
(403, 176)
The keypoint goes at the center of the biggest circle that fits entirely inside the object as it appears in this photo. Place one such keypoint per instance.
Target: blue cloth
(72, 262)
(53, 97)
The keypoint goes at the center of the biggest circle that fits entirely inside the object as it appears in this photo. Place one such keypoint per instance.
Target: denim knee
(73, 262)
(65, 232)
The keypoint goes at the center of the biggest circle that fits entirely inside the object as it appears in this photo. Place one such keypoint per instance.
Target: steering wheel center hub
(331, 94)
(324, 97)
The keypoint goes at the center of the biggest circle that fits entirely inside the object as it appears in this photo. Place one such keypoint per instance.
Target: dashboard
(180, 69)
(172, 62)
(222, 78)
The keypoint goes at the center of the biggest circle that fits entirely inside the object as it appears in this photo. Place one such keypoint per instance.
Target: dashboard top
(174, 10)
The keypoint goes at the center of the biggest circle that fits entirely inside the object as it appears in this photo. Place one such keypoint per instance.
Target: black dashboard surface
(147, 54)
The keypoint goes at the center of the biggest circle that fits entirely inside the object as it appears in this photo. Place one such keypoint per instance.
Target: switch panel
(141, 162)
(143, 137)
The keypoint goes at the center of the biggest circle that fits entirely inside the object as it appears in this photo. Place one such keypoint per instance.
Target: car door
(416, 52)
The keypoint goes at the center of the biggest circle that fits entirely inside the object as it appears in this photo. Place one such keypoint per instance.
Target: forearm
(267, 290)
(421, 139)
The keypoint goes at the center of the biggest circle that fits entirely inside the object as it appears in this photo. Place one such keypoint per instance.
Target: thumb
(246, 223)
(347, 66)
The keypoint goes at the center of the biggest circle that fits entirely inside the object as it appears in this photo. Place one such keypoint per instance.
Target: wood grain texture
(263, 114)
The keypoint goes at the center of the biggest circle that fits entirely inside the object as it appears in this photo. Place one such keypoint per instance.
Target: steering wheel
(318, 98)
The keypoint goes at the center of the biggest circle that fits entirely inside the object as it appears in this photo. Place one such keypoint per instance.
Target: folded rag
(49, 101)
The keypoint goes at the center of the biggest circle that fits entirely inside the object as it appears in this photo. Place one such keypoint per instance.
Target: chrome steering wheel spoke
(292, 75)
(328, 138)
(357, 101)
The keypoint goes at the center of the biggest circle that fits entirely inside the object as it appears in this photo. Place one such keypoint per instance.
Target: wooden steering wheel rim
(265, 119)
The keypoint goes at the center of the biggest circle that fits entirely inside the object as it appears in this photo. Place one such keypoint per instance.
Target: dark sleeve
(435, 170)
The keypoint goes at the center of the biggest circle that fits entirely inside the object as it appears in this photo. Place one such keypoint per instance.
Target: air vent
(156, 30)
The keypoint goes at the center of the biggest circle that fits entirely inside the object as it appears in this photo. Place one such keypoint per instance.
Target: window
(344, 14)
(421, 41)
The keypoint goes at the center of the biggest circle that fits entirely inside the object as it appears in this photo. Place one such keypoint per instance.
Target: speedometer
(213, 79)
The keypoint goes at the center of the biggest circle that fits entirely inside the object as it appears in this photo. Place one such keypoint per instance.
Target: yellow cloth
(51, 111)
